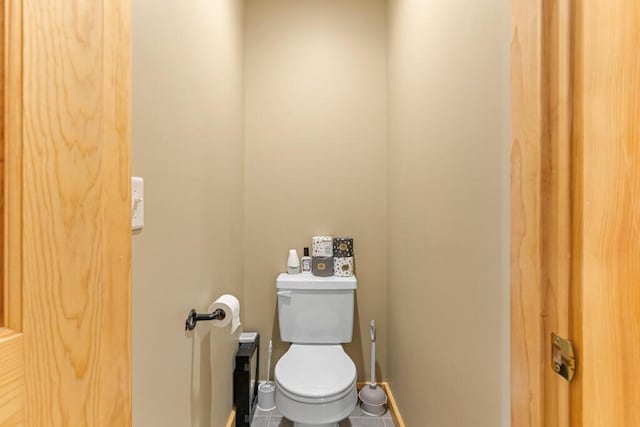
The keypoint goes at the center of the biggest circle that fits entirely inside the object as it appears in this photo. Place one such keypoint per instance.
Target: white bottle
(293, 263)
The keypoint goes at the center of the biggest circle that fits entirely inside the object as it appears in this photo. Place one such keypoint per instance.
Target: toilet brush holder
(267, 396)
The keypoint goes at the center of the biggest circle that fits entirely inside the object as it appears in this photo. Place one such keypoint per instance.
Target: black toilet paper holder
(193, 318)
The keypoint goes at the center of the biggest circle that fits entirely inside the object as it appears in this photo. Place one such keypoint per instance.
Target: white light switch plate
(137, 203)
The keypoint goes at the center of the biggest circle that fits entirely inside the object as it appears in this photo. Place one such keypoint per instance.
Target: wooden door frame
(11, 338)
(12, 144)
(544, 168)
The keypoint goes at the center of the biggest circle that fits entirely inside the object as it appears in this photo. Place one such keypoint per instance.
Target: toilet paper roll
(322, 266)
(343, 247)
(322, 246)
(231, 307)
(343, 266)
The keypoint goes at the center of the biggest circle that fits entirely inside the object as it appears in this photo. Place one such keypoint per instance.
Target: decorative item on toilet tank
(332, 256)
(343, 266)
(322, 259)
(322, 246)
(343, 247)
(322, 266)
(343, 261)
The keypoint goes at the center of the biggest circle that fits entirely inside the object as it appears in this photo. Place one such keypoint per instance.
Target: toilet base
(315, 425)
(317, 412)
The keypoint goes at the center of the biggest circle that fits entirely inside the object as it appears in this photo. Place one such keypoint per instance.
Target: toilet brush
(266, 390)
(373, 399)
(269, 360)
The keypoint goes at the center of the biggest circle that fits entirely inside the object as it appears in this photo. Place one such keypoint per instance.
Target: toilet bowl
(315, 385)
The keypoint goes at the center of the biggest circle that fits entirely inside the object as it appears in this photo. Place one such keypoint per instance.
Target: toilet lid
(315, 370)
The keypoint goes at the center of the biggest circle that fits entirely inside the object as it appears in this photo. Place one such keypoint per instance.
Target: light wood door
(607, 220)
(65, 341)
(575, 239)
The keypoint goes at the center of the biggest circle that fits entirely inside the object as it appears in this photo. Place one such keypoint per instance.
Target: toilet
(315, 379)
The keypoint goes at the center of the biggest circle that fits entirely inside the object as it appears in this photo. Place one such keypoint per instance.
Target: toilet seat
(315, 373)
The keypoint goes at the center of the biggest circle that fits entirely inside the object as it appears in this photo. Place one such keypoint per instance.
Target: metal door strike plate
(562, 359)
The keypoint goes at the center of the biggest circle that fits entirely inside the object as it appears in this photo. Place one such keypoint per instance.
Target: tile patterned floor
(356, 419)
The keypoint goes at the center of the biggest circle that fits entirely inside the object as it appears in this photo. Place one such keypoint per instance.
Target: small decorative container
(322, 266)
(343, 266)
(322, 246)
(343, 247)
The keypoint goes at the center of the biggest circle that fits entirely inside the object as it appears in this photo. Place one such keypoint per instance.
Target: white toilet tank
(315, 310)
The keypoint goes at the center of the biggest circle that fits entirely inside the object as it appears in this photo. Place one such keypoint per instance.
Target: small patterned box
(322, 246)
(322, 266)
(343, 266)
(343, 247)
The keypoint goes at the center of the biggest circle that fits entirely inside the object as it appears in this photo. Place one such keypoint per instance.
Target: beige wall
(315, 112)
(255, 129)
(448, 212)
(187, 144)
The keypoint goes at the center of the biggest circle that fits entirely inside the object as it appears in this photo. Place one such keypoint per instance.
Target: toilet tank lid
(311, 282)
